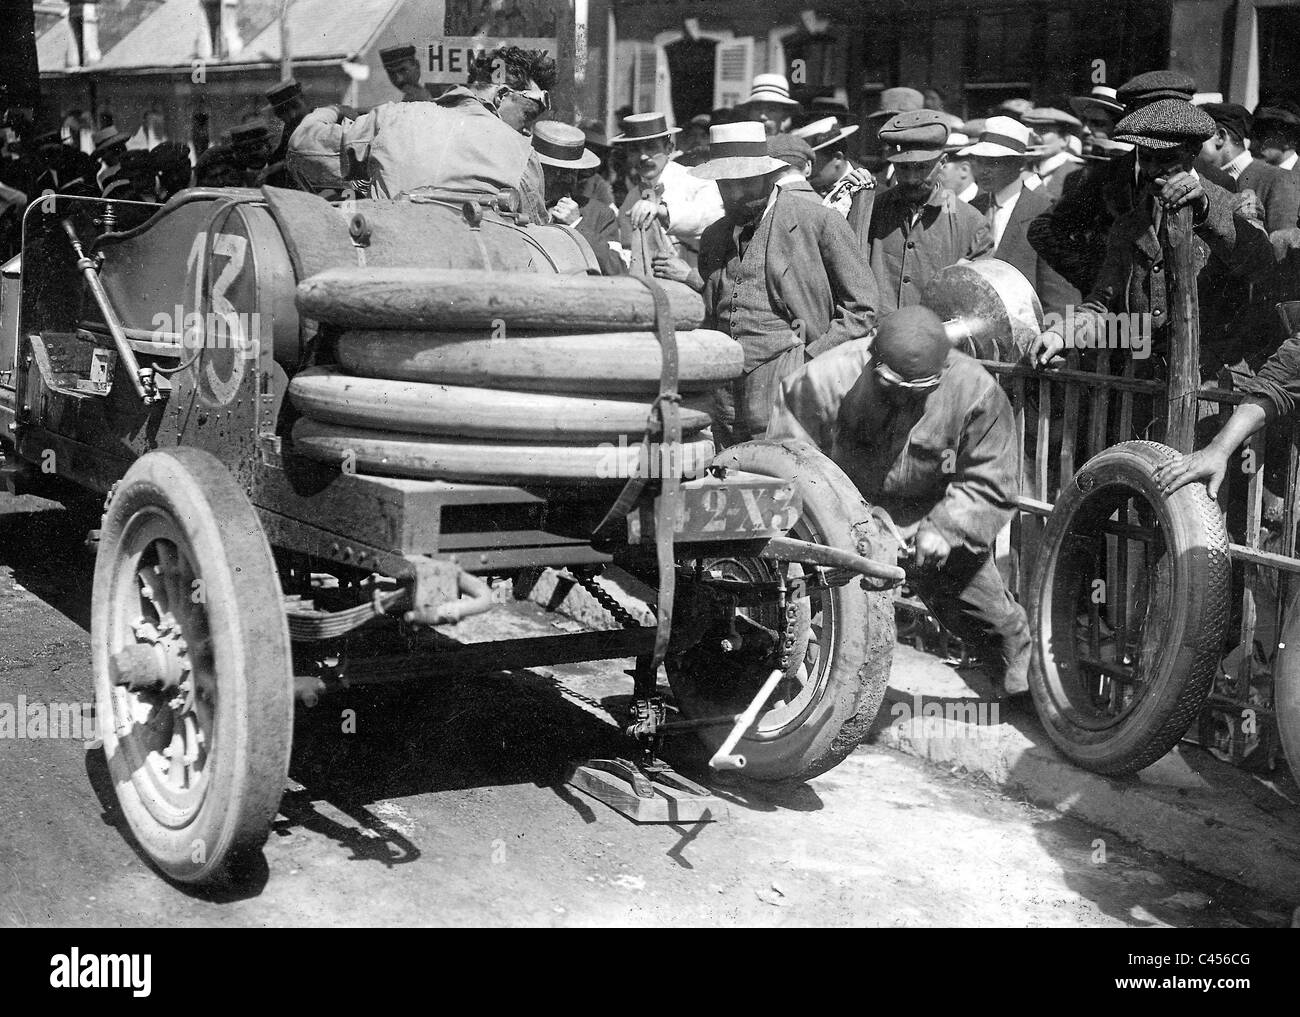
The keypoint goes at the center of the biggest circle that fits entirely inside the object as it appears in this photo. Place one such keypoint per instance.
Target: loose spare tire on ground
(1116, 703)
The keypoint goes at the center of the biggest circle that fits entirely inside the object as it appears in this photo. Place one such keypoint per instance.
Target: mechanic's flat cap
(1166, 123)
(914, 137)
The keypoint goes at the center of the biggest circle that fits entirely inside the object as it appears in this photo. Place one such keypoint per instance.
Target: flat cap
(790, 148)
(283, 93)
(1153, 86)
(914, 137)
(1277, 115)
(1166, 123)
(1049, 116)
(395, 55)
(898, 100)
(1233, 116)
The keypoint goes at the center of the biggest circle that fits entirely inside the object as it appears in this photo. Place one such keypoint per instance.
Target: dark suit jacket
(815, 272)
(1054, 291)
(599, 226)
(1277, 189)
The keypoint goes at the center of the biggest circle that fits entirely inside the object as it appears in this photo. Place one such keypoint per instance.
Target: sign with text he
(447, 61)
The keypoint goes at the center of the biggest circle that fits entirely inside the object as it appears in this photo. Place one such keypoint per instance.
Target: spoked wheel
(1130, 612)
(192, 669)
(835, 646)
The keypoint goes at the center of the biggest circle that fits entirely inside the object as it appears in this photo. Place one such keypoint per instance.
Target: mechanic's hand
(931, 549)
(644, 213)
(1181, 189)
(1208, 464)
(1047, 348)
(566, 211)
(669, 266)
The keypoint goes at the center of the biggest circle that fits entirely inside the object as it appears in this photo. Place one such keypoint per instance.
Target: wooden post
(1184, 375)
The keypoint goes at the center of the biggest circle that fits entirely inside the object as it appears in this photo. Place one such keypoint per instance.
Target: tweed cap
(898, 100)
(790, 148)
(1154, 86)
(1232, 116)
(914, 137)
(1166, 123)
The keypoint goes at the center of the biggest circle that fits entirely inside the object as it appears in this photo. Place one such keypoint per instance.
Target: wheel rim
(1103, 664)
(165, 733)
(806, 678)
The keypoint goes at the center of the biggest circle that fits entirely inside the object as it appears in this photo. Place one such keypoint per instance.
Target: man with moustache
(668, 202)
(917, 227)
(781, 275)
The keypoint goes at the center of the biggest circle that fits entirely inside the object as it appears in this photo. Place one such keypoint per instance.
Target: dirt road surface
(444, 808)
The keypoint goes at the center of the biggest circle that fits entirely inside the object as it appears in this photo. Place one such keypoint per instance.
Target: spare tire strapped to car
(401, 454)
(432, 298)
(1176, 653)
(604, 363)
(327, 394)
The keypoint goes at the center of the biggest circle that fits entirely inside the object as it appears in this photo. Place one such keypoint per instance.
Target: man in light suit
(1010, 206)
(782, 275)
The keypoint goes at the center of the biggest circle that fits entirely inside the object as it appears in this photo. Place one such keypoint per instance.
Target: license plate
(739, 507)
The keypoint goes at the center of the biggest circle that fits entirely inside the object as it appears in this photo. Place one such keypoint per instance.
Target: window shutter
(733, 72)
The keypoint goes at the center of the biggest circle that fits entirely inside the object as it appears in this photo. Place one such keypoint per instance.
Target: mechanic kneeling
(926, 434)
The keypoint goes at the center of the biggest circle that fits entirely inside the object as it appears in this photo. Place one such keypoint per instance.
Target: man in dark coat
(1010, 206)
(563, 155)
(1072, 237)
(781, 274)
(928, 435)
(918, 227)
(1168, 135)
(289, 108)
(1228, 149)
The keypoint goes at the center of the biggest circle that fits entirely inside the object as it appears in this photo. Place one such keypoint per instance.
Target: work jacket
(948, 459)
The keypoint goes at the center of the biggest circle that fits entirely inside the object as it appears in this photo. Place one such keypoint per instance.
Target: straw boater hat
(1102, 97)
(956, 142)
(825, 132)
(558, 144)
(644, 127)
(737, 152)
(772, 88)
(1002, 138)
(105, 138)
(1166, 123)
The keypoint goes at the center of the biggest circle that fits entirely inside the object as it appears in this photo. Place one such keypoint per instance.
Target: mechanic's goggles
(893, 379)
